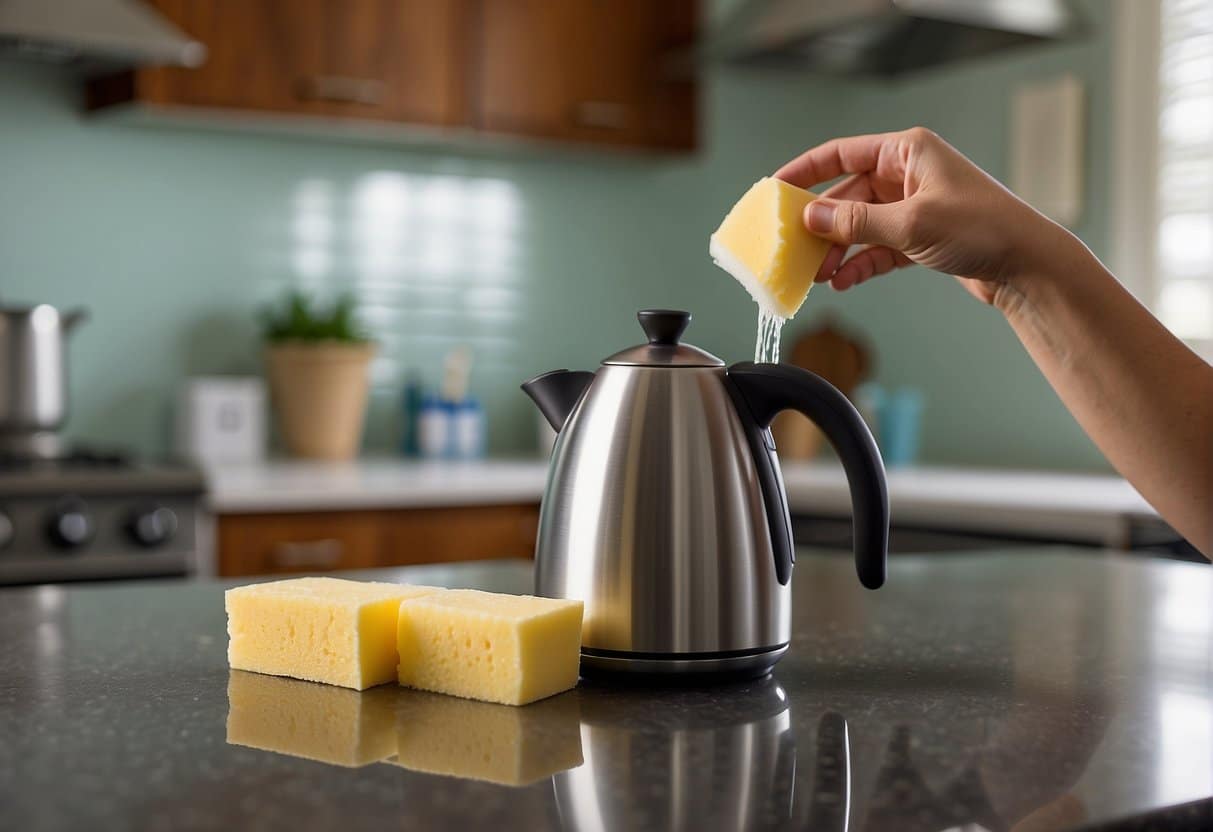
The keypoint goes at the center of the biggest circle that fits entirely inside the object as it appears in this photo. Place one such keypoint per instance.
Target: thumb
(848, 223)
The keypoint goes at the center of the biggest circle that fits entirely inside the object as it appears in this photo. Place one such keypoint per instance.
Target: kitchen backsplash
(173, 238)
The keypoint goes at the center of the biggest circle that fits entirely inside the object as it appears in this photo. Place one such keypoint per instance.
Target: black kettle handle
(760, 392)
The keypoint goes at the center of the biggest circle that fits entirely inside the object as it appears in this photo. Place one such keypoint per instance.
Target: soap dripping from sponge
(764, 245)
(766, 346)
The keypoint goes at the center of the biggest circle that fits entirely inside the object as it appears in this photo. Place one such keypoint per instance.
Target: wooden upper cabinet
(256, 51)
(579, 71)
(586, 70)
(391, 60)
(408, 56)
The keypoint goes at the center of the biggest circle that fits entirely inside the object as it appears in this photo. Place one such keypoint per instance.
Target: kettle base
(741, 664)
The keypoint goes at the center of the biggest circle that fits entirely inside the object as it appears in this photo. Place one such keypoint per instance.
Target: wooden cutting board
(839, 357)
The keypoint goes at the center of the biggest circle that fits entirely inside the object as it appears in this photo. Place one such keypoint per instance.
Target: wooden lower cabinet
(286, 543)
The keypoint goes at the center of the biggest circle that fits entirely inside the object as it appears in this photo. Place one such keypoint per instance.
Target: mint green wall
(173, 237)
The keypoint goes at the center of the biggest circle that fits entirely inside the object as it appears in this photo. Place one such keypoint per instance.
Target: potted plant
(316, 359)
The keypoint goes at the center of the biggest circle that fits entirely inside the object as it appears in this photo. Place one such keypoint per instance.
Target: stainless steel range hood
(883, 37)
(94, 32)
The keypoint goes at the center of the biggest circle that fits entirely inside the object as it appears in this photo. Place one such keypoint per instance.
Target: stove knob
(71, 526)
(152, 525)
(7, 530)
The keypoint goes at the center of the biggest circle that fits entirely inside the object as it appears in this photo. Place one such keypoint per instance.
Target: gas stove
(95, 515)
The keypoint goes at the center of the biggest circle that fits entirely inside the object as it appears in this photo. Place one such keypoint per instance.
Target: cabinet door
(586, 70)
(256, 50)
(396, 60)
(434, 535)
(402, 60)
(267, 544)
(303, 542)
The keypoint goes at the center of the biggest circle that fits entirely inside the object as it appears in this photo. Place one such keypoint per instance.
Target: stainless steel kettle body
(664, 510)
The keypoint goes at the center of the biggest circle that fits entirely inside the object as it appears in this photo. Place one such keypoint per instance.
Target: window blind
(1184, 251)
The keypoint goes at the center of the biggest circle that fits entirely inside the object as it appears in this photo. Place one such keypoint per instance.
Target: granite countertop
(1016, 690)
(296, 485)
(1041, 501)
(1073, 506)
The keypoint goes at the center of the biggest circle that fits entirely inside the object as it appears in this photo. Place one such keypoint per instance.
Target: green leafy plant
(300, 318)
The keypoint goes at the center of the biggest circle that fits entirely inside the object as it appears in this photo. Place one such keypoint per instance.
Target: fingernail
(819, 216)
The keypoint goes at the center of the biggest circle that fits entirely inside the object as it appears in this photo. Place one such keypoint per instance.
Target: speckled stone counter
(1023, 691)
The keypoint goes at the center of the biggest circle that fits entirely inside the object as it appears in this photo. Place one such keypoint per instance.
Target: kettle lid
(664, 327)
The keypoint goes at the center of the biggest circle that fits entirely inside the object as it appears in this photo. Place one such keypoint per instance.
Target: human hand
(913, 198)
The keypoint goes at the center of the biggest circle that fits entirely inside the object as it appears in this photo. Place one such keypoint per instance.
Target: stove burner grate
(81, 458)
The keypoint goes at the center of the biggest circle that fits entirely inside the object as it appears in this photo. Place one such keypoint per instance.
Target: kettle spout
(556, 393)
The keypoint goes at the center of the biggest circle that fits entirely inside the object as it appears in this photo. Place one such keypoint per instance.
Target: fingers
(855, 154)
(857, 188)
(830, 264)
(849, 222)
(866, 264)
(875, 206)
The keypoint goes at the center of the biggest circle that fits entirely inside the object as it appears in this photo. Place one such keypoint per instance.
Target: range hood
(94, 32)
(882, 37)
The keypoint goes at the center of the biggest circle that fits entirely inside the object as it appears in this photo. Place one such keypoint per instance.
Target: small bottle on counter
(469, 429)
(435, 429)
(451, 425)
(411, 400)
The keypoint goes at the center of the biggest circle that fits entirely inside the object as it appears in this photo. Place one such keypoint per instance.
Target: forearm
(1139, 392)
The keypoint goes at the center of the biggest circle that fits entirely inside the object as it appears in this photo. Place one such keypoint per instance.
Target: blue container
(900, 418)
(413, 398)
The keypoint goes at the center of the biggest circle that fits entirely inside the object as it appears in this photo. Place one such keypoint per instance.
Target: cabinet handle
(341, 89)
(317, 553)
(604, 115)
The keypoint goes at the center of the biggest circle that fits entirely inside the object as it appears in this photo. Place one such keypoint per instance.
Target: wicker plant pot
(319, 393)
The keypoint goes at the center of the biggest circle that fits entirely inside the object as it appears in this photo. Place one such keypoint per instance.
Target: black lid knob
(663, 326)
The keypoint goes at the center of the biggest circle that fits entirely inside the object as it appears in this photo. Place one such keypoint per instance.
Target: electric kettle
(665, 511)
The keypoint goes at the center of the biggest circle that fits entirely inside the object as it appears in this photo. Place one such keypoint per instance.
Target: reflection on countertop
(412, 729)
(328, 724)
(1022, 691)
(721, 757)
(512, 746)
(712, 758)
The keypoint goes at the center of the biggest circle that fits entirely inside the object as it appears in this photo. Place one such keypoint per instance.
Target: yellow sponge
(764, 244)
(319, 629)
(511, 649)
